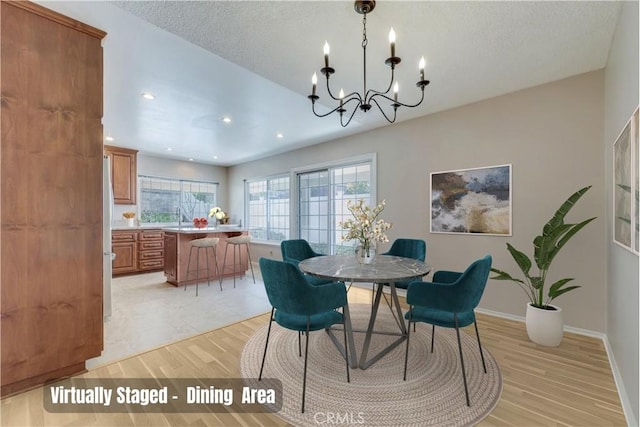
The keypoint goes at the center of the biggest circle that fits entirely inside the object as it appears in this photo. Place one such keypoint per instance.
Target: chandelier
(368, 97)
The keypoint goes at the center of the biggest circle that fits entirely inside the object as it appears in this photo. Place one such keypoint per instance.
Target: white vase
(366, 256)
(545, 327)
(131, 222)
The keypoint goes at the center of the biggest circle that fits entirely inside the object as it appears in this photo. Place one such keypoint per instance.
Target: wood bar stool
(237, 243)
(198, 245)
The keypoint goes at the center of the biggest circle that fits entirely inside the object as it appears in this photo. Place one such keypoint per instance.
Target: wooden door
(51, 181)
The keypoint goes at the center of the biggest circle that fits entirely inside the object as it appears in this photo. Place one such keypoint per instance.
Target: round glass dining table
(384, 270)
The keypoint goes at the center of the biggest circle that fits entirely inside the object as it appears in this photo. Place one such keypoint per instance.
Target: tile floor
(147, 312)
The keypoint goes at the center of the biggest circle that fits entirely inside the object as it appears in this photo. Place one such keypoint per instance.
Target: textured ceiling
(265, 52)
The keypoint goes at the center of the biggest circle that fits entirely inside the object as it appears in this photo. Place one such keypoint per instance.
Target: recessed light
(147, 95)
(226, 119)
(215, 157)
(191, 160)
(279, 135)
(109, 138)
(169, 149)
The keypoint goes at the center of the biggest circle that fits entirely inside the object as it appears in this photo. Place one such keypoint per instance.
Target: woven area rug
(432, 395)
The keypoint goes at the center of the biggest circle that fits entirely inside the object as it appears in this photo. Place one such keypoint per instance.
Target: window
(268, 208)
(166, 200)
(322, 202)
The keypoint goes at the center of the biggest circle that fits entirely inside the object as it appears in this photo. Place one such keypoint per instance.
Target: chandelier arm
(399, 104)
(313, 108)
(382, 111)
(344, 125)
(354, 94)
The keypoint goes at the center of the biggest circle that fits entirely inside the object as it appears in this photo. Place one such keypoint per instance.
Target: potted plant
(543, 320)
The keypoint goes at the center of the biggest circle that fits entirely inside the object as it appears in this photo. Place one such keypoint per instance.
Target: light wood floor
(571, 385)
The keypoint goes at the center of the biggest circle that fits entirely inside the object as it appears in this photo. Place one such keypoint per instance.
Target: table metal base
(364, 363)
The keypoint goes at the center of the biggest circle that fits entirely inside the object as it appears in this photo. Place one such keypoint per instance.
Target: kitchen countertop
(193, 230)
(138, 227)
(183, 229)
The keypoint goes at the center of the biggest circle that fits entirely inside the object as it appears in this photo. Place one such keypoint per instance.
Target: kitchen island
(176, 253)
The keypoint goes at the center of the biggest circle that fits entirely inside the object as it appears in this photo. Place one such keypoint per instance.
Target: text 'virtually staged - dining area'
(373, 213)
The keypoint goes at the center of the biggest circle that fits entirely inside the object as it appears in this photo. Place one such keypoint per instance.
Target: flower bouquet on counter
(129, 217)
(200, 222)
(219, 215)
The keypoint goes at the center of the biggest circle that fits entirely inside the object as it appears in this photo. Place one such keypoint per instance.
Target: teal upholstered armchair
(408, 248)
(301, 307)
(449, 301)
(294, 251)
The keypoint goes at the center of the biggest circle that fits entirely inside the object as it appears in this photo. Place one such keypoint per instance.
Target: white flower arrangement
(217, 213)
(365, 226)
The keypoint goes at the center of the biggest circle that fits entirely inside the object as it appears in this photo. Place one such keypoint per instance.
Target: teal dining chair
(449, 301)
(296, 250)
(302, 307)
(408, 248)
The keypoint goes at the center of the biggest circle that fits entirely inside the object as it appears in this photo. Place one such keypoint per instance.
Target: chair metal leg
(250, 265)
(206, 255)
(464, 374)
(299, 345)
(197, 268)
(306, 353)
(480, 345)
(188, 266)
(433, 335)
(346, 347)
(406, 351)
(224, 261)
(215, 260)
(266, 343)
(234, 265)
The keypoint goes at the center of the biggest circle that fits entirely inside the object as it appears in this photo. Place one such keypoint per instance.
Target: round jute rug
(432, 395)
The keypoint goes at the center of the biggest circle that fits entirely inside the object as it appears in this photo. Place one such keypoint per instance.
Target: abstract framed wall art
(472, 201)
(625, 186)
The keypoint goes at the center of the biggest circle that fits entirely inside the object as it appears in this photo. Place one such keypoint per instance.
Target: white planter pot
(545, 327)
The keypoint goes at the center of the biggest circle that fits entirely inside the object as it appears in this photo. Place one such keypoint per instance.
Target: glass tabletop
(383, 269)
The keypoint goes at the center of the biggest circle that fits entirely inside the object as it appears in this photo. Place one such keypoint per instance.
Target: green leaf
(520, 258)
(563, 241)
(562, 291)
(537, 282)
(501, 275)
(558, 217)
(557, 285)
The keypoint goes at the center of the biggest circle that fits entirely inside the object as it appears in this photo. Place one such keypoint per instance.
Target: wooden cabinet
(124, 246)
(51, 183)
(137, 251)
(124, 175)
(150, 250)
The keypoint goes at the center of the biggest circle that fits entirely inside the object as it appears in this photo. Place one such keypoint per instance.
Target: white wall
(552, 134)
(621, 99)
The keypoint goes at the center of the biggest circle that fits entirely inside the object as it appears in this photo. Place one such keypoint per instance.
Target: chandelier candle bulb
(421, 66)
(395, 91)
(341, 96)
(326, 54)
(392, 40)
(314, 82)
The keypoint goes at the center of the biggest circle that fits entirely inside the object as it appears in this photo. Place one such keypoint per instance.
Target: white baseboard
(624, 398)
